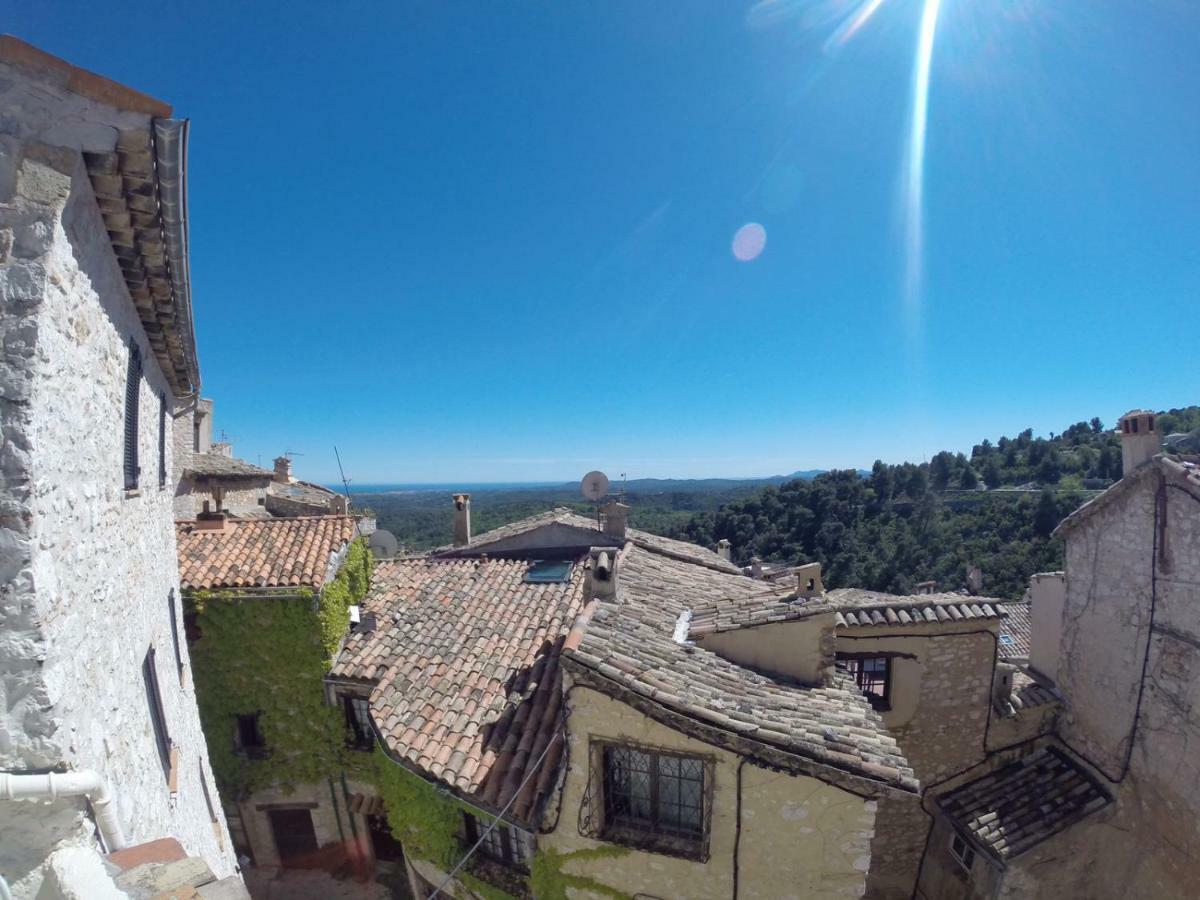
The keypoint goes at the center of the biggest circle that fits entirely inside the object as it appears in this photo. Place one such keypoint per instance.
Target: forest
(885, 529)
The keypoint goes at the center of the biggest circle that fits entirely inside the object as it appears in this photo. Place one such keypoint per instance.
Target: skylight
(545, 571)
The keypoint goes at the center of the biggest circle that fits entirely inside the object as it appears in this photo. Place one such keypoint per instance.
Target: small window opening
(248, 738)
(158, 722)
(133, 384)
(546, 571)
(962, 852)
(162, 440)
(175, 631)
(873, 675)
(359, 733)
(503, 844)
(653, 799)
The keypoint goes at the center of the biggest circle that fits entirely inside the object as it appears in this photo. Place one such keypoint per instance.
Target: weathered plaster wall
(87, 570)
(242, 497)
(941, 693)
(801, 649)
(333, 822)
(800, 837)
(1047, 595)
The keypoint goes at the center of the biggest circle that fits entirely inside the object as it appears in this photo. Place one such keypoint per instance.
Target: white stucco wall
(86, 570)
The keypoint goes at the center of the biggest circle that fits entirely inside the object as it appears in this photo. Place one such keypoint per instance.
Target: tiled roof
(1028, 692)
(1183, 471)
(858, 608)
(1022, 804)
(773, 604)
(208, 465)
(302, 492)
(628, 641)
(261, 552)
(464, 662)
(566, 516)
(1015, 631)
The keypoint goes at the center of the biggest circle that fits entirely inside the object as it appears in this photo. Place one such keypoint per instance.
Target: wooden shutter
(162, 440)
(157, 719)
(133, 384)
(175, 630)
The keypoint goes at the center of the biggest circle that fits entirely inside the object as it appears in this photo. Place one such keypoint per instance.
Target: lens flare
(749, 242)
(850, 27)
(914, 174)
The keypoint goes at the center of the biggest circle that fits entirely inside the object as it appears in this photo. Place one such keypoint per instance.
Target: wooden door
(295, 837)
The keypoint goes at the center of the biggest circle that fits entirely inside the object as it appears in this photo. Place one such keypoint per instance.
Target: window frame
(360, 734)
(175, 631)
(162, 440)
(157, 710)
(965, 859)
(506, 844)
(133, 393)
(531, 578)
(853, 665)
(654, 832)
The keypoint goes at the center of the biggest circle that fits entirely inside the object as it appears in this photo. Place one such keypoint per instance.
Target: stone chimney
(616, 519)
(1047, 597)
(212, 521)
(283, 470)
(602, 574)
(338, 505)
(724, 549)
(974, 579)
(1139, 441)
(808, 580)
(1002, 684)
(756, 567)
(926, 587)
(222, 448)
(462, 520)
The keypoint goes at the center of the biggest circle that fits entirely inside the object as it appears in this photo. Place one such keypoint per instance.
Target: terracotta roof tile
(465, 660)
(857, 608)
(261, 553)
(630, 641)
(1022, 804)
(1015, 632)
(210, 465)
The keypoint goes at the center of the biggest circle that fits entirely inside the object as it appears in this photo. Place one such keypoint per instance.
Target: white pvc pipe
(83, 783)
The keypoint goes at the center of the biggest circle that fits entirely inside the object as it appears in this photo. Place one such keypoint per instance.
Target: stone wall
(242, 496)
(341, 834)
(88, 569)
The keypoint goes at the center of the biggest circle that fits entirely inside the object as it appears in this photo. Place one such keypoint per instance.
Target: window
(503, 844)
(359, 733)
(157, 720)
(962, 852)
(873, 675)
(248, 738)
(133, 384)
(162, 440)
(545, 571)
(175, 630)
(654, 799)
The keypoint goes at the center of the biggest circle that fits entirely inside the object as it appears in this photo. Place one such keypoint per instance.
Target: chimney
(616, 517)
(756, 568)
(283, 470)
(222, 448)
(338, 505)
(602, 574)
(462, 520)
(926, 587)
(1002, 684)
(974, 579)
(723, 549)
(1139, 441)
(211, 521)
(808, 580)
(1047, 596)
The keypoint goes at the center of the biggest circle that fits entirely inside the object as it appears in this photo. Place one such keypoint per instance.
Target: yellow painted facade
(799, 837)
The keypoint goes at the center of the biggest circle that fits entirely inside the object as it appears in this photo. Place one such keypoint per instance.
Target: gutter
(82, 783)
(170, 137)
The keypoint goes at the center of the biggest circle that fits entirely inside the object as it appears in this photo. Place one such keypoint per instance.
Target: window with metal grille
(175, 631)
(872, 674)
(133, 384)
(503, 844)
(359, 733)
(248, 738)
(162, 440)
(157, 720)
(654, 799)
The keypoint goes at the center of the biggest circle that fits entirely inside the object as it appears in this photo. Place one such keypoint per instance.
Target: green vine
(548, 881)
(426, 821)
(270, 656)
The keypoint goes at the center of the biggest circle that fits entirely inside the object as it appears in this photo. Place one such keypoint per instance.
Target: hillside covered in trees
(903, 524)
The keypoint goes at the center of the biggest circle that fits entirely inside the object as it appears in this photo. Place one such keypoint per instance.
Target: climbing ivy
(270, 656)
(548, 881)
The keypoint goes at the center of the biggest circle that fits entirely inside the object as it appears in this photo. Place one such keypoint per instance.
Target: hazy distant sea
(400, 488)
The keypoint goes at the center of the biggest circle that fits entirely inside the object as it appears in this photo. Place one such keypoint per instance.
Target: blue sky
(492, 242)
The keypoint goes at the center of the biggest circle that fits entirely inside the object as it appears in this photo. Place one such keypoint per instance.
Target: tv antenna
(342, 472)
(594, 487)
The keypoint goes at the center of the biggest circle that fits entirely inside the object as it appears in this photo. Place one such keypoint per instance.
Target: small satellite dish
(594, 486)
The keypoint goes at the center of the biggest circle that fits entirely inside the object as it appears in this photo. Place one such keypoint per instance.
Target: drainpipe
(83, 783)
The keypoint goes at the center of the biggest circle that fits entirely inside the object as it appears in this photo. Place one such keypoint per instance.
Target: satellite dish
(594, 486)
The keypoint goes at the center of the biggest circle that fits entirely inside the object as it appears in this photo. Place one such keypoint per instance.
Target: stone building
(98, 355)
(563, 681)
(1104, 799)
(267, 604)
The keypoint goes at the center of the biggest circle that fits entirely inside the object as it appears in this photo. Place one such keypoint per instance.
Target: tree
(1049, 471)
(940, 470)
(1097, 425)
(991, 473)
(1045, 517)
(969, 480)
